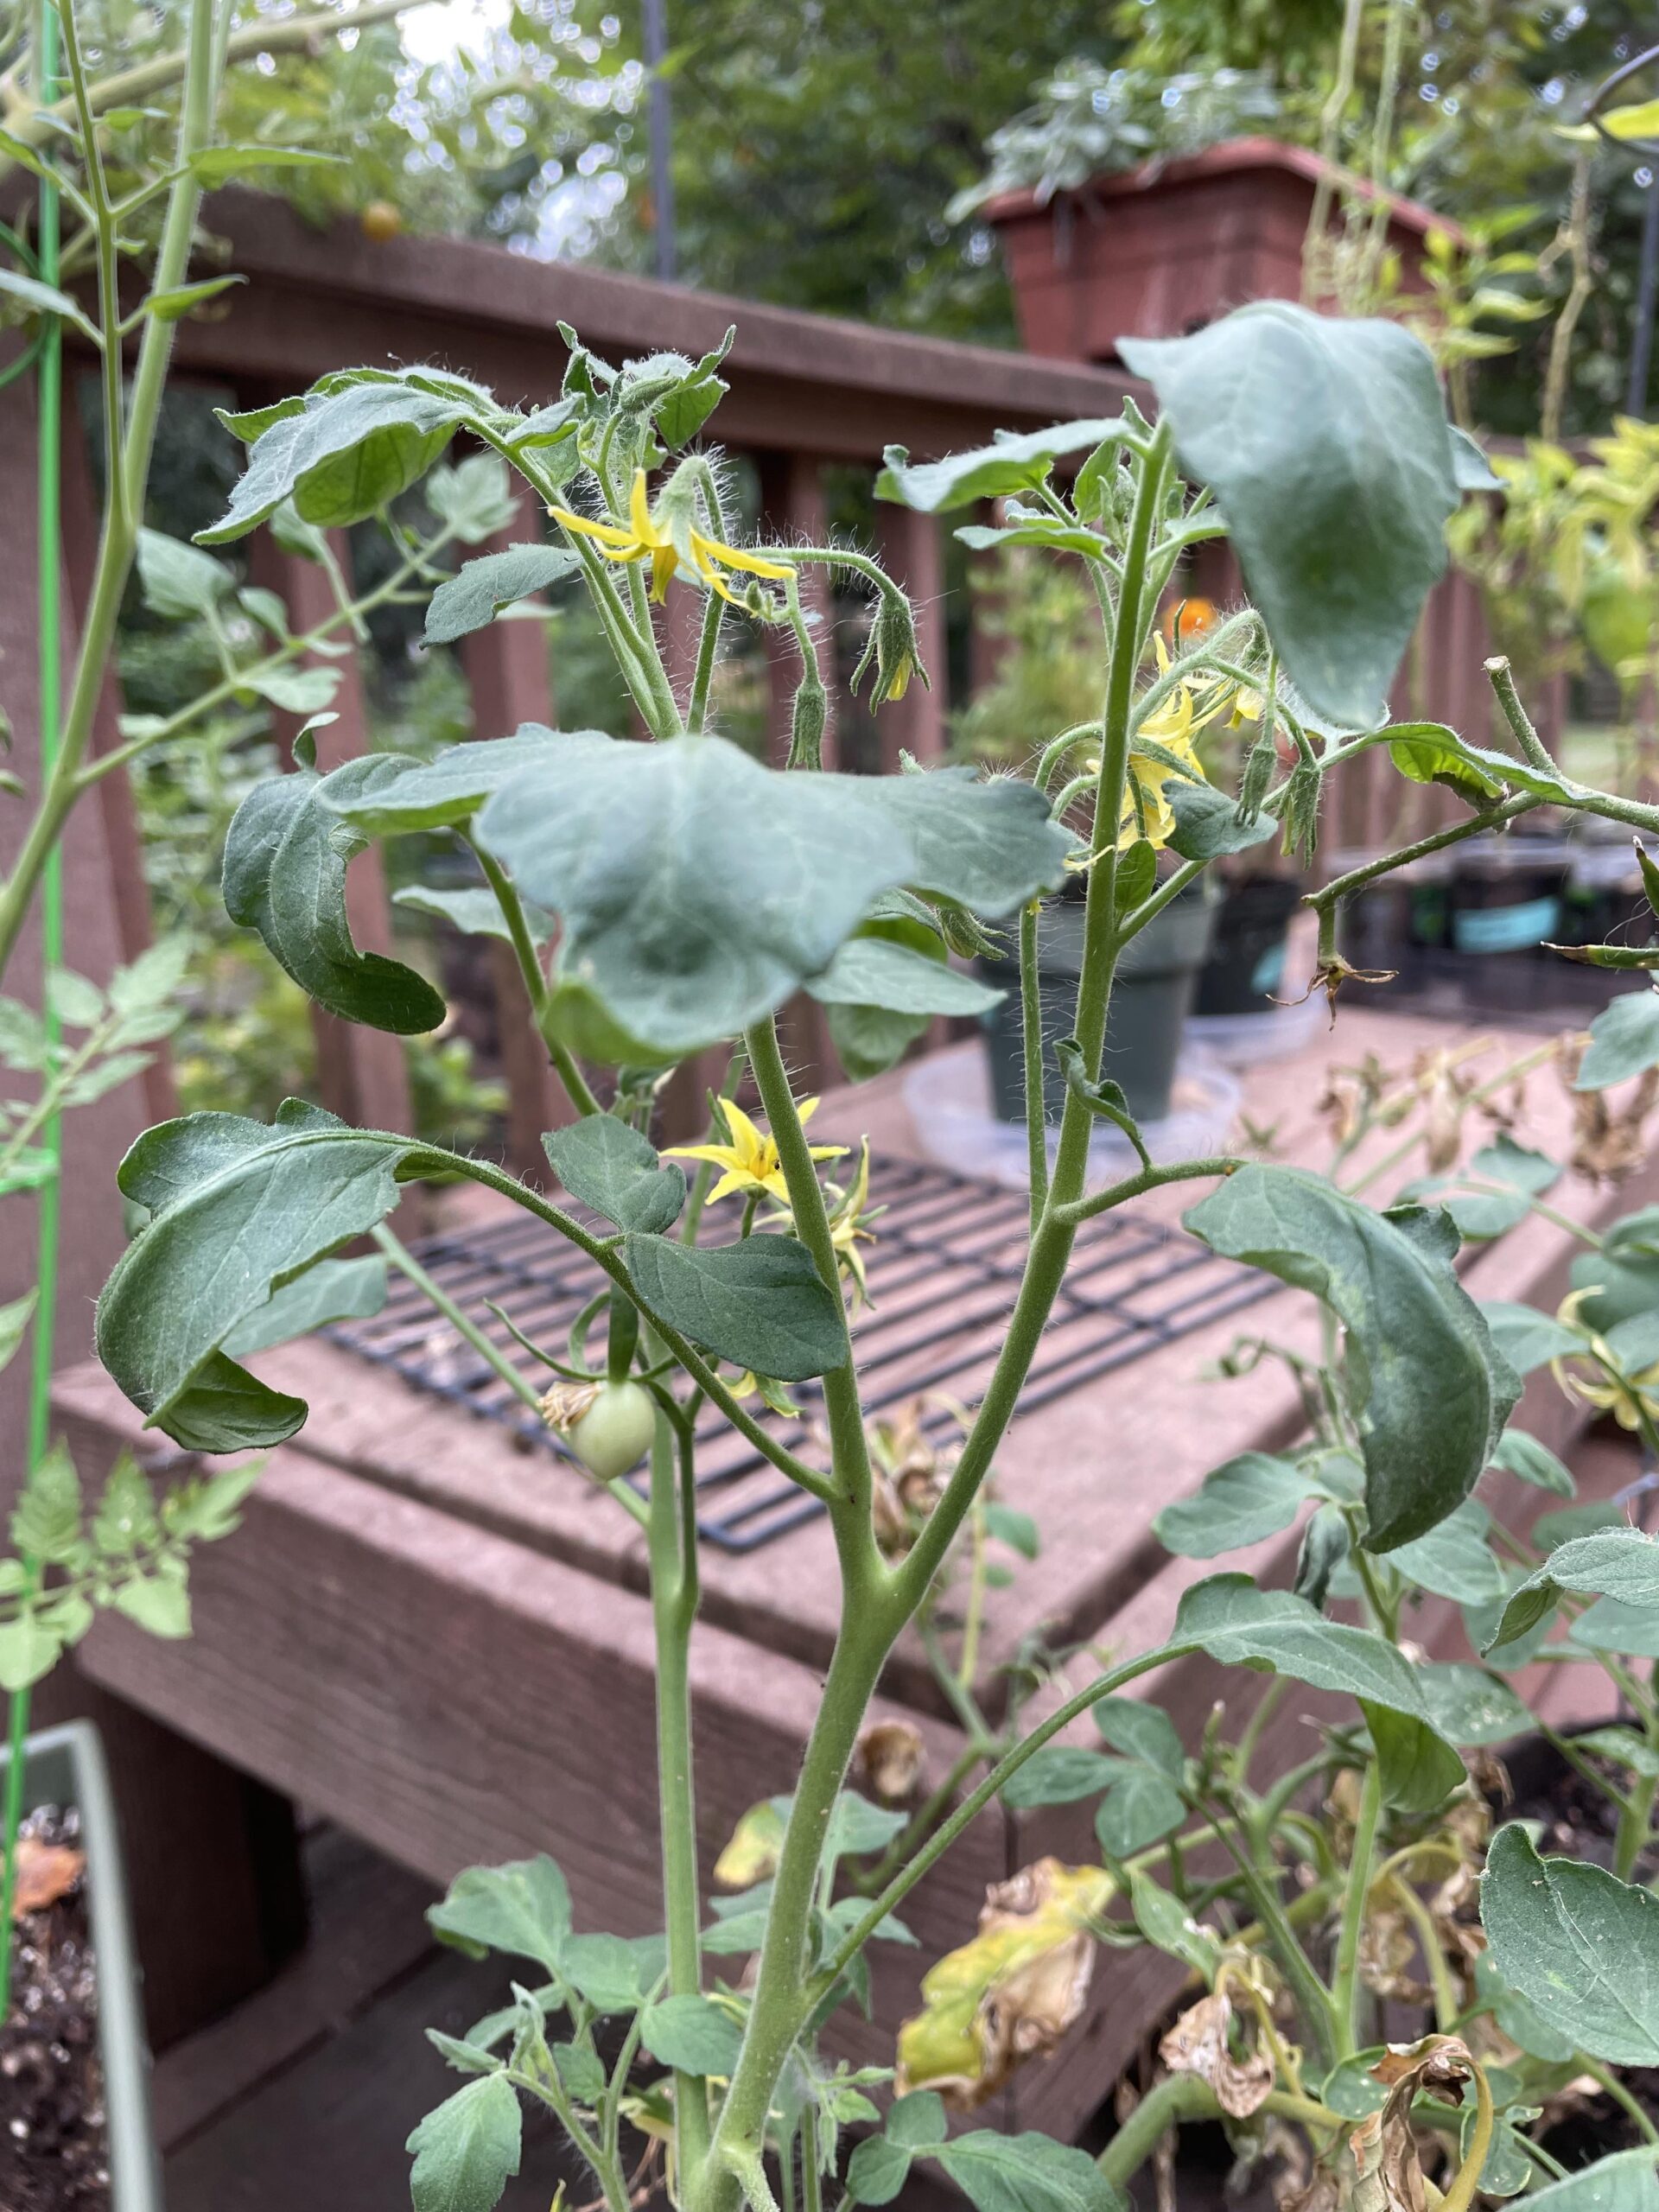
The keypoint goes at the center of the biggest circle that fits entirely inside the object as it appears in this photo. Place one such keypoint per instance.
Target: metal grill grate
(943, 1275)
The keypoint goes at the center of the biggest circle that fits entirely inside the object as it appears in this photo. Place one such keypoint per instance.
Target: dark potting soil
(54, 2151)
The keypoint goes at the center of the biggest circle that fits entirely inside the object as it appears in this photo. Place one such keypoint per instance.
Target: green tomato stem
(674, 1597)
(1345, 1985)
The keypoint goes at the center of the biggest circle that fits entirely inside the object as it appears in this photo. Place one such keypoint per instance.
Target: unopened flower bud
(892, 648)
(806, 726)
(1258, 775)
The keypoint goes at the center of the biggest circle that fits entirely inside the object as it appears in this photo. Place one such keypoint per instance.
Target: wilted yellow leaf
(751, 1855)
(1011, 1994)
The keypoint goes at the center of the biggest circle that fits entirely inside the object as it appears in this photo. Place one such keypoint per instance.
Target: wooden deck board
(367, 1930)
(1096, 1463)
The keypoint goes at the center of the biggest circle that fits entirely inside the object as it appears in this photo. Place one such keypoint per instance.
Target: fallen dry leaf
(45, 1872)
(1199, 2043)
(1387, 1952)
(1608, 1144)
(890, 1754)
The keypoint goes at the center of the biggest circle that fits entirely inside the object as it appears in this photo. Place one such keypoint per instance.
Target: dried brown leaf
(1200, 2042)
(45, 1872)
(1388, 2174)
(1608, 1144)
(890, 1754)
(1388, 1950)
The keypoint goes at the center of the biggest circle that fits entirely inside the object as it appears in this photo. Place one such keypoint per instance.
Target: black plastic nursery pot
(1152, 992)
(1246, 968)
(1506, 902)
(1395, 927)
(65, 1767)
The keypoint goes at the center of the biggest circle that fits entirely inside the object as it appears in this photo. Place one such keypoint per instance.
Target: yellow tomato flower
(1610, 1389)
(650, 537)
(1172, 725)
(848, 1230)
(750, 1161)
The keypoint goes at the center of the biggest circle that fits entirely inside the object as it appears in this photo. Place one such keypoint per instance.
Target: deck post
(509, 676)
(210, 1852)
(912, 548)
(362, 1075)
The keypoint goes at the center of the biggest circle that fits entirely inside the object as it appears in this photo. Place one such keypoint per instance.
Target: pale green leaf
(1624, 1042)
(46, 1521)
(342, 457)
(691, 2034)
(1468, 1705)
(1167, 1922)
(1138, 1810)
(1244, 1501)
(159, 1603)
(874, 971)
(472, 496)
(612, 1168)
(180, 581)
(1059, 1774)
(476, 593)
(1627, 2182)
(994, 472)
(1429, 1393)
(237, 1206)
(1316, 434)
(14, 1325)
(1525, 1337)
(761, 1303)
(332, 1290)
(37, 298)
(1579, 1944)
(1142, 1731)
(28, 1651)
(1239, 1626)
(171, 306)
(1026, 2173)
(215, 165)
(466, 2151)
(523, 1909)
(1524, 1456)
(285, 860)
(685, 926)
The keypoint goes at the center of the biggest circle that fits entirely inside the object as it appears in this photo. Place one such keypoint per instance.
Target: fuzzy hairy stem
(674, 1599)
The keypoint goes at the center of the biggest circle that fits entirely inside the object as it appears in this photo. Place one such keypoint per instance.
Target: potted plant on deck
(73, 2052)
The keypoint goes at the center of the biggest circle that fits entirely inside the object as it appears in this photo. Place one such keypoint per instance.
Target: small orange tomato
(380, 221)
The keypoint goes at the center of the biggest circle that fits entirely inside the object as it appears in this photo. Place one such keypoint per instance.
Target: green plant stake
(48, 561)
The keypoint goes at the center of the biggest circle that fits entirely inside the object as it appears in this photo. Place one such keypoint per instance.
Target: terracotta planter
(1164, 249)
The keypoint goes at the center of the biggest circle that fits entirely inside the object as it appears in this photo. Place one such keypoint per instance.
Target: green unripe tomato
(614, 1434)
